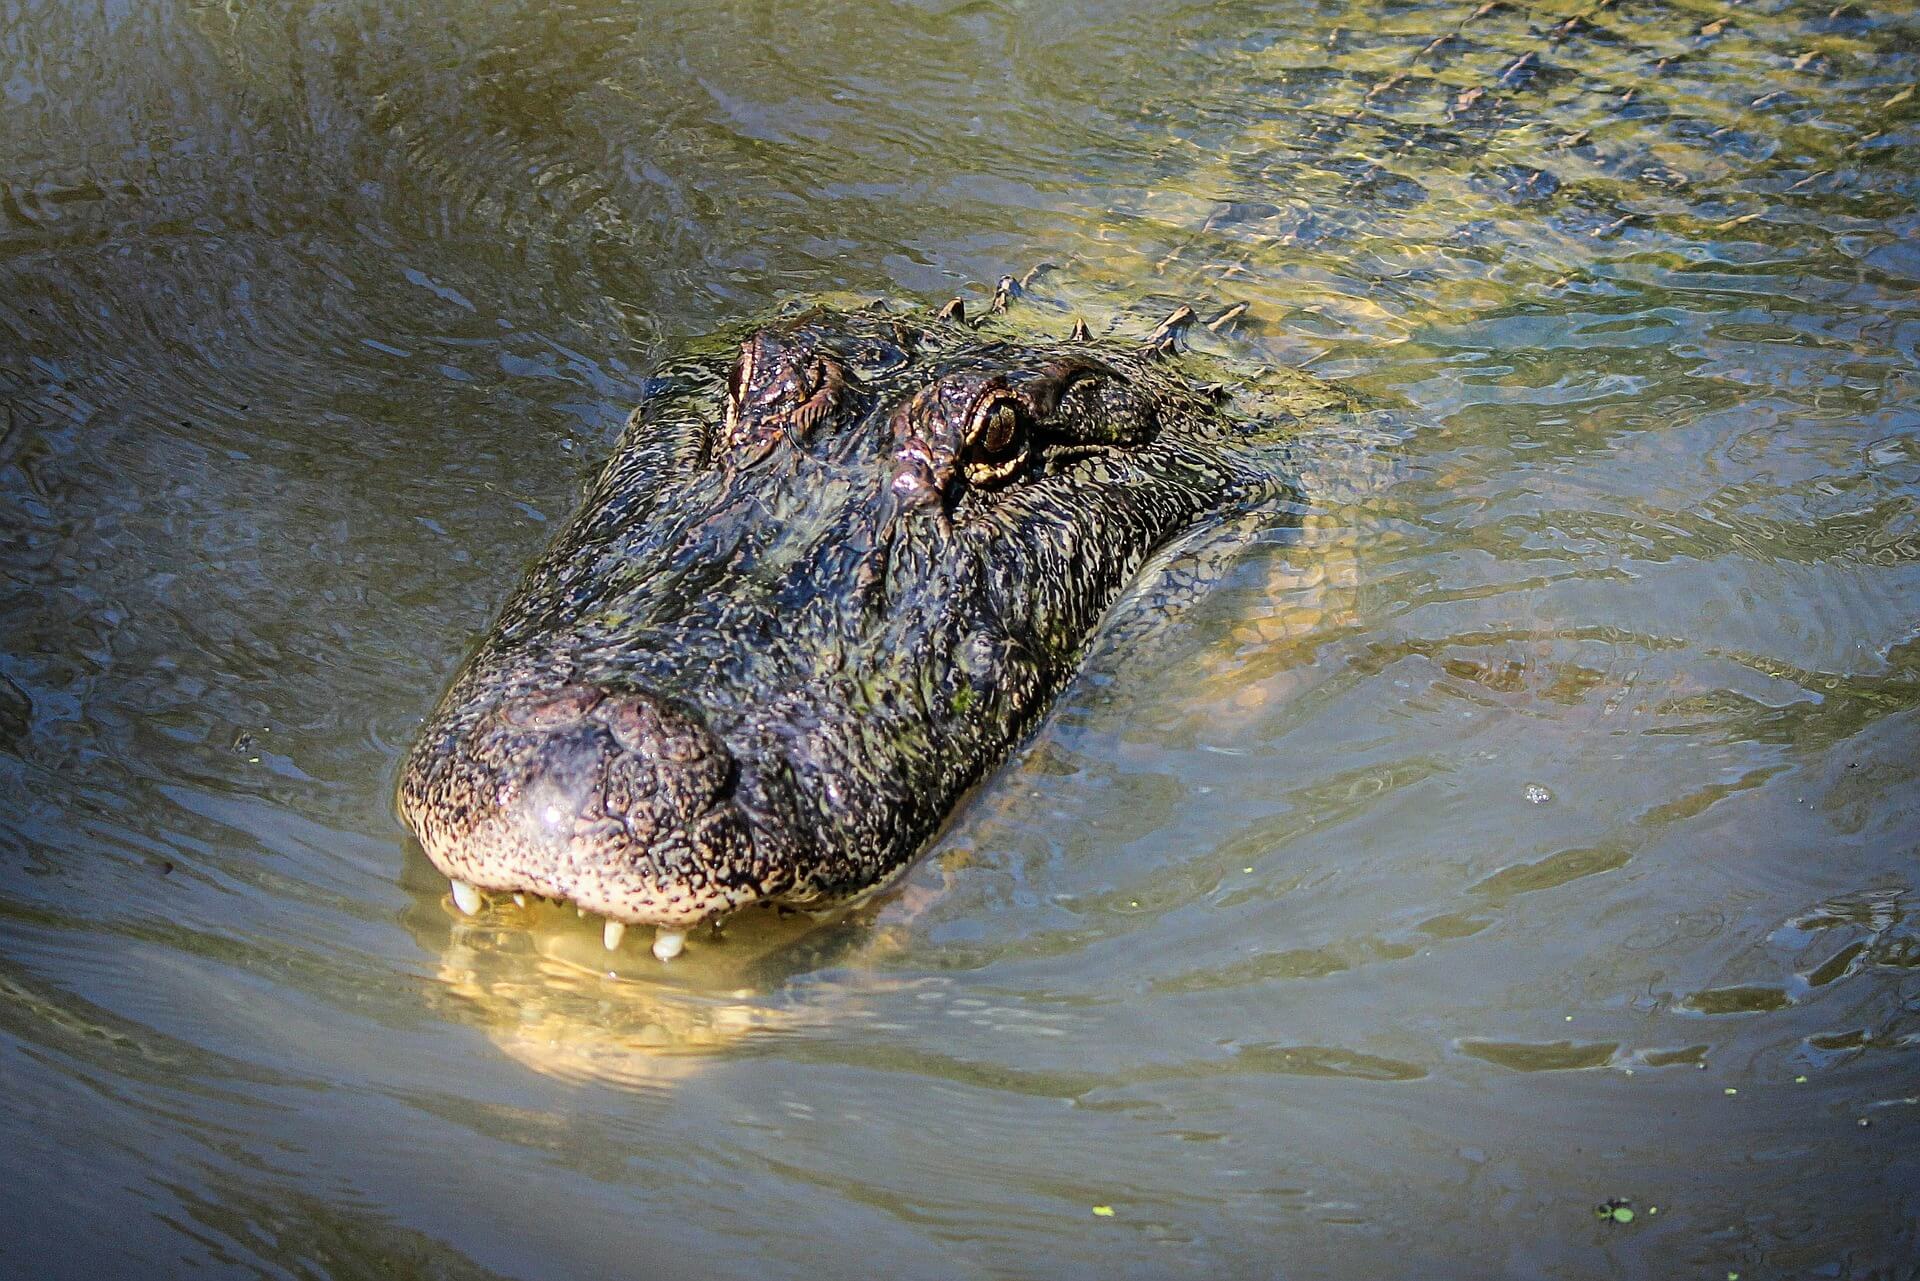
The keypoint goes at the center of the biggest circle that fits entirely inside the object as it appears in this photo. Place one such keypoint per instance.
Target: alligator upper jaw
(668, 940)
(620, 802)
(472, 880)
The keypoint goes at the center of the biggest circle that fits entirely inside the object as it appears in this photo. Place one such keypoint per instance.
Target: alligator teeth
(519, 900)
(613, 933)
(667, 943)
(466, 898)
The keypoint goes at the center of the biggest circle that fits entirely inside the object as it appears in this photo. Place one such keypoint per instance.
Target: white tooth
(612, 935)
(466, 898)
(580, 912)
(519, 900)
(667, 943)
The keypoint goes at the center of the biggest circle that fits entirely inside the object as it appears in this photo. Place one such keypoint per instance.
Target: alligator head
(828, 578)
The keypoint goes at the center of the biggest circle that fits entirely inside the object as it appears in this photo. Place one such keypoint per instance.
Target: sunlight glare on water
(1531, 829)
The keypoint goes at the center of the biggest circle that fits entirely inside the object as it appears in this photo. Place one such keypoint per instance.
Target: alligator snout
(622, 801)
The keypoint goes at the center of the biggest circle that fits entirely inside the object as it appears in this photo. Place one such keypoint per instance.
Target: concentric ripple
(1531, 829)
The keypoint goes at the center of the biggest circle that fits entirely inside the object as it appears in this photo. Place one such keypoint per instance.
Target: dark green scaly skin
(829, 577)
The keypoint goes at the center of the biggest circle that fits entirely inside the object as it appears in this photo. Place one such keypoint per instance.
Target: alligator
(837, 566)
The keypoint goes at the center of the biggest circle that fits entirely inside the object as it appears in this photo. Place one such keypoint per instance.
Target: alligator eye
(996, 439)
(1003, 422)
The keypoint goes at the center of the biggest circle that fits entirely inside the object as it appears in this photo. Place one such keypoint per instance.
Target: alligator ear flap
(1081, 401)
(1165, 340)
(1080, 331)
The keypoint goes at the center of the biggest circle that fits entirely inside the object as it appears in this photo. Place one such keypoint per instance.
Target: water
(1536, 827)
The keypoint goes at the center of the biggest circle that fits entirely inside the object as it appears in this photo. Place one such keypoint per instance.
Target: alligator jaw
(668, 941)
(540, 777)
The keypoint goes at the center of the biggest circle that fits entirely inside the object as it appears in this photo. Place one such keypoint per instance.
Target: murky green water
(1536, 827)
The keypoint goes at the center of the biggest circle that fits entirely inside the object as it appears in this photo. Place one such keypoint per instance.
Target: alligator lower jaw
(668, 940)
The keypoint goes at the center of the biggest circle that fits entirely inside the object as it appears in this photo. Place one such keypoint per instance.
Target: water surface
(1533, 828)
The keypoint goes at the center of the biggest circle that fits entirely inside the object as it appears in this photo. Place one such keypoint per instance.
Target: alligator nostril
(667, 770)
(633, 721)
(653, 727)
(556, 709)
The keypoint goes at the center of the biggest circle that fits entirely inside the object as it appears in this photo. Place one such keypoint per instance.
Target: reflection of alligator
(550, 997)
(816, 593)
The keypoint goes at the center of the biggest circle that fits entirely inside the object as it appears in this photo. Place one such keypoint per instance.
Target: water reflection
(1529, 828)
(547, 992)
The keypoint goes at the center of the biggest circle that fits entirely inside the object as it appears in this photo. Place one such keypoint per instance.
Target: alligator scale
(829, 577)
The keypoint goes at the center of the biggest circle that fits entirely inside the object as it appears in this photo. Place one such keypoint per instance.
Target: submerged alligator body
(828, 578)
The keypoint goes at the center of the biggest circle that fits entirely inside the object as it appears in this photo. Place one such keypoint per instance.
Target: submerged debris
(1617, 1209)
